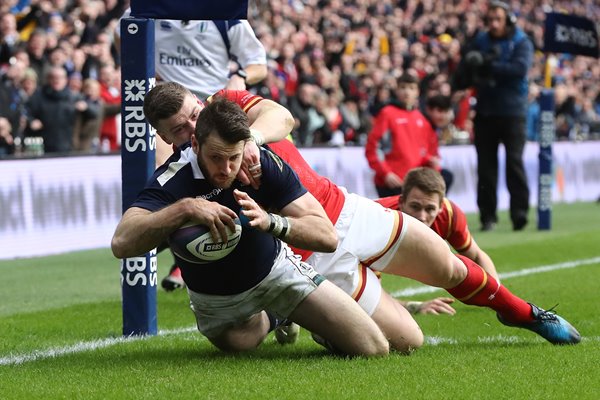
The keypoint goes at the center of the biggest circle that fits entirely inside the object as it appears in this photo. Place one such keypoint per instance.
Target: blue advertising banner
(138, 148)
(570, 34)
(190, 9)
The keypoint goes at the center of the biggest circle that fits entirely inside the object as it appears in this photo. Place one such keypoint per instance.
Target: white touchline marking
(415, 290)
(431, 340)
(84, 346)
(502, 339)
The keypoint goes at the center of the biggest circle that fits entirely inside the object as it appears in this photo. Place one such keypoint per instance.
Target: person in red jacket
(423, 197)
(110, 93)
(401, 138)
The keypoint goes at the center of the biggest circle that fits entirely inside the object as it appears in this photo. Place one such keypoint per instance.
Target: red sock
(481, 289)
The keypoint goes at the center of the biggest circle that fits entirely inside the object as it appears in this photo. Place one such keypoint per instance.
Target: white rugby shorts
(289, 282)
(369, 235)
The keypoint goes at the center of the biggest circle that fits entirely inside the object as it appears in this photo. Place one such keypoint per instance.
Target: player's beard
(218, 183)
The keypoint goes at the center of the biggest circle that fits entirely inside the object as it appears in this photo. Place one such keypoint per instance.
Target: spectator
(36, 50)
(6, 138)
(88, 119)
(9, 37)
(51, 112)
(498, 61)
(29, 83)
(438, 111)
(401, 139)
(12, 99)
(302, 106)
(110, 92)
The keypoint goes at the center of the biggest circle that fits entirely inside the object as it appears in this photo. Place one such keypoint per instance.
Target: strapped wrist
(279, 226)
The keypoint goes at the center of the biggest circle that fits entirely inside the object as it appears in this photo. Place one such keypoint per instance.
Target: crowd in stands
(333, 63)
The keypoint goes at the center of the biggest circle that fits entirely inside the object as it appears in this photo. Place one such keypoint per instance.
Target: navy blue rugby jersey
(253, 257)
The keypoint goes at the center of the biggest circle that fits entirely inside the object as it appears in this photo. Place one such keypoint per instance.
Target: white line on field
(431, 340)
(415, 290)
(497, 339)
(83, 346)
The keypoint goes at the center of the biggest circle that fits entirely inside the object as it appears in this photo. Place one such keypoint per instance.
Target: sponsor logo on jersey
(208, 196)
(166, 59)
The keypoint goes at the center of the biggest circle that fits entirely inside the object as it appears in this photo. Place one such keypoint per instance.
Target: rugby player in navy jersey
(229, 296)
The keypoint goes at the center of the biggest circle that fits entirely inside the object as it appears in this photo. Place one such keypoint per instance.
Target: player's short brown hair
(163, 101)
(224, 118)
(427, 180)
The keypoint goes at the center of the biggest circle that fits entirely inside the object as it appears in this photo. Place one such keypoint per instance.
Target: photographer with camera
(496, 63)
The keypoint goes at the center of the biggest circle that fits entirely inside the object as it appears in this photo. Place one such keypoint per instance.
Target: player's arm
(256, 73)
(269, 122)
(475, 253)
(141, 230)
(301, 223)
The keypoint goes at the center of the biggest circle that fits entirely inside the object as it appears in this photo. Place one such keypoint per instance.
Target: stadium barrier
(57, 205)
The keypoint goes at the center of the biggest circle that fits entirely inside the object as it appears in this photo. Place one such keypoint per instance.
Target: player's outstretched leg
(424, 256)
(481, 289)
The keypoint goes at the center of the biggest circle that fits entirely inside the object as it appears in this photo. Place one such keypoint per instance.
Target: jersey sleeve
(459, 236)
(392, 202)
(242, 98)
(245, 46)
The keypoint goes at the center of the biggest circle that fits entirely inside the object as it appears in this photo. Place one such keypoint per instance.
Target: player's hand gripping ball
(194, 243)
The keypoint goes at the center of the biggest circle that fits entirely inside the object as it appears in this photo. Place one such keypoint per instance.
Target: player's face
(219, 161)
(424, 207)
(408, 93)
(179, 128)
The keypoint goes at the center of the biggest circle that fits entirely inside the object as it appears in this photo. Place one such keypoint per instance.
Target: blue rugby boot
(548, 325)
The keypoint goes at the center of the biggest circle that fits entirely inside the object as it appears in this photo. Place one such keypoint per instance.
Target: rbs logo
(134, 273)
(135, 123)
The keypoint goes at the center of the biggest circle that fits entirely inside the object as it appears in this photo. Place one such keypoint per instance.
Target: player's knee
(235, 342)
(244, 337)
(409, 343)
(378, 346)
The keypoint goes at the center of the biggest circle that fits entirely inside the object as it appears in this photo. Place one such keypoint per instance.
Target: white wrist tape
(257, 136)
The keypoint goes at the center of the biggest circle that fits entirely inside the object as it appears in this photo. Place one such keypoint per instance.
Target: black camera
(475, 69)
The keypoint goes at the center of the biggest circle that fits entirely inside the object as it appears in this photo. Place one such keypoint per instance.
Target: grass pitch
(60, 334)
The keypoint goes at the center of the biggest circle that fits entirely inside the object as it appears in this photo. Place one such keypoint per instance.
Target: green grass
(59, 302)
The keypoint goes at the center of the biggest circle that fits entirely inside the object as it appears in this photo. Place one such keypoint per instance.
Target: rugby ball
(194, 243)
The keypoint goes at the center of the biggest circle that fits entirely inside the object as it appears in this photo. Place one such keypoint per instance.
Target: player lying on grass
(372, 237)
(228, 296)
